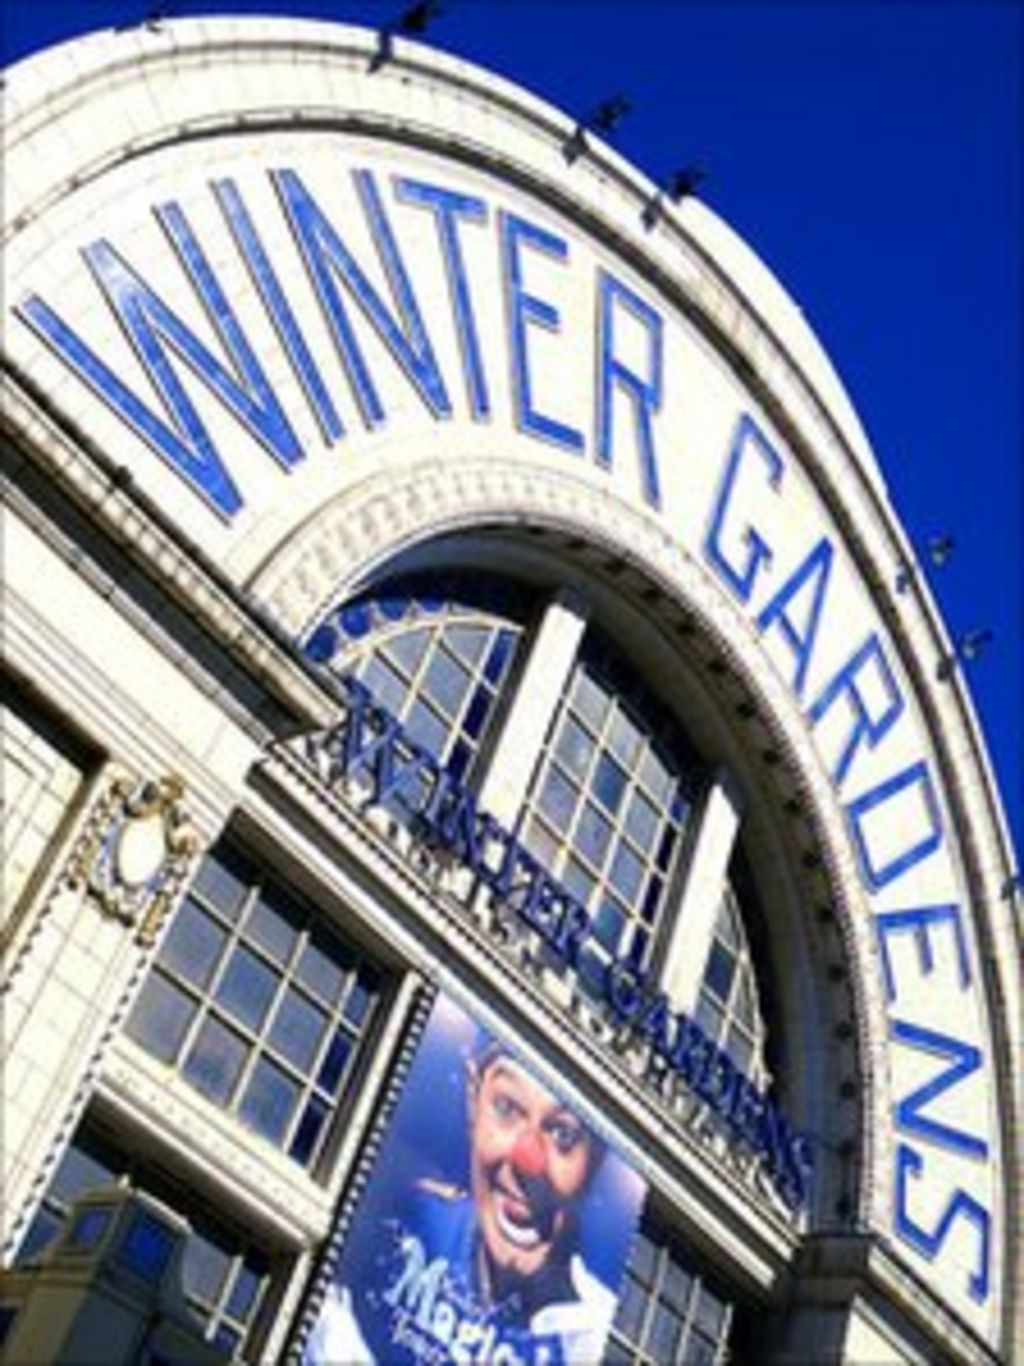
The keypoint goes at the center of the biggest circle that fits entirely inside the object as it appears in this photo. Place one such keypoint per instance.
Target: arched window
(728, 1008)
(610, 800)
(607, 788)
(437, 652)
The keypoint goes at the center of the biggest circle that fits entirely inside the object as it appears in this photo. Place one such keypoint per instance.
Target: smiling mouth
(518, 1223)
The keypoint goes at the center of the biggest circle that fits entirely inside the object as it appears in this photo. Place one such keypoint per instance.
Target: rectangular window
(667, 1314)
(226, 1277)
(259, 1004)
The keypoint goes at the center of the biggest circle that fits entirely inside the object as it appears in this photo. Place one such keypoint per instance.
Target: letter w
(909, 1112)
(156, 331)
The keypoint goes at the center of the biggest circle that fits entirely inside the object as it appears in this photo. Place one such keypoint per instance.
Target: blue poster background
(407, 1287)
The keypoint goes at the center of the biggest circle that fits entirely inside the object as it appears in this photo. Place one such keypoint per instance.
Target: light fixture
(604, 118)
(968, 647)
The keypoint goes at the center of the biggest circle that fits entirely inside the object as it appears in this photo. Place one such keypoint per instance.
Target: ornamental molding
(136, 852)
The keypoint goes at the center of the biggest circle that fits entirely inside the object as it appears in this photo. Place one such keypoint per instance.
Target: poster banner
(495, 1228)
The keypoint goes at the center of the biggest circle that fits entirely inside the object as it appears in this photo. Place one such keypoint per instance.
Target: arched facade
(446, 577)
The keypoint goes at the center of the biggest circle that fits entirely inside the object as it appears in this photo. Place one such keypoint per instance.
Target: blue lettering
(623, 990)
(326, 256)
(275, 301)
(655, 1024)
(918, 920)
(966, 1058)
(186, 447)
(961, 1205)
(526, 310)
(644, 393)
(448, 209)
(742, 576)
(154, 329)
(878, 877)
(815, 569)
(866, 728)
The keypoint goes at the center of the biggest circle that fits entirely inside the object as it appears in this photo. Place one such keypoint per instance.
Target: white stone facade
(626, 413)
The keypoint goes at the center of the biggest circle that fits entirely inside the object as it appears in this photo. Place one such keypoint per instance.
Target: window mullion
(693, 925)
(541, 686)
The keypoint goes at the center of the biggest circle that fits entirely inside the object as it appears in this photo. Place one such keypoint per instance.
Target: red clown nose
(528, 1155)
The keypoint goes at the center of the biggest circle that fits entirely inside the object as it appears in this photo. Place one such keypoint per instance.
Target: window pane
(709, 1017)
(41, 1233)
(160, 1018)
(247, 987)
(608, 925)
(360, 997)
(699, 1352)
(710, 1313)
(719, 973)
(666, 1328)
(274, 924)
(476, 713)
(642, 820)
(308, 1131)
(426, 728)
(627, 872)
(458, 760)
(204, 1268)
(630, 1315)
(589, 699)
(468, 641)
(224, 879)
(242, 1299)
(541, 843)
(269, 1100)
(656, 776)
(193, 945)
(80, 1171)
(652, 900)
(609, 782)
(147, 1246)
(676, 1286)
(298, 1029)
(333, 1065)
(577, 881)
(558, 799)
(500, 656)
(616, 1355)
(574, 747)
(407, 649)
(215, 1061)
(624, 738)
(593, 834)
(322, 967)
(388, 687)
(446, 682)
(643, 1259)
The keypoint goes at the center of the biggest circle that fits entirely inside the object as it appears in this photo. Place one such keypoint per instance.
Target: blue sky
(872, 154)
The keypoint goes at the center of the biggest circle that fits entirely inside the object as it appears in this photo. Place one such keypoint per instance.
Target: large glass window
(667, 1314)
(435, 653)
(258, 1003)
(728, 1009)
(610, 801)
(225, 1275)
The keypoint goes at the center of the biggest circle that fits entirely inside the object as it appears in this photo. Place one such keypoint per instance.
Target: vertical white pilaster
(541, 686)
(701, 896)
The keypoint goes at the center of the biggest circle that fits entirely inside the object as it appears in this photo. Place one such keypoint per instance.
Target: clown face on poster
(495, 1228)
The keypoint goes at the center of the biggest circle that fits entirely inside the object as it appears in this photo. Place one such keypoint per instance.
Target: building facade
(447, 588)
